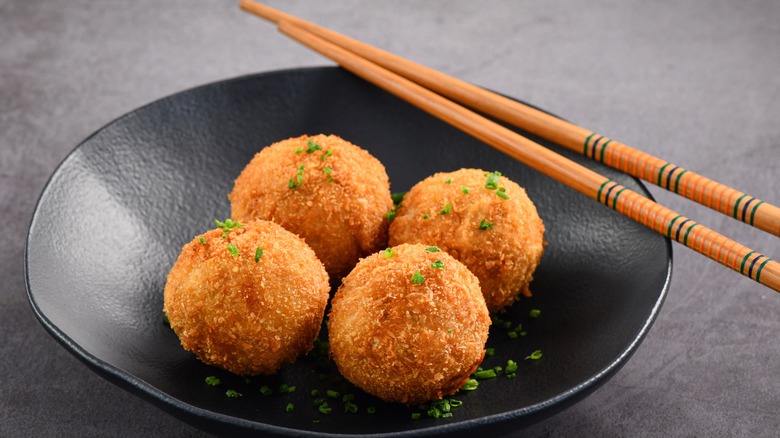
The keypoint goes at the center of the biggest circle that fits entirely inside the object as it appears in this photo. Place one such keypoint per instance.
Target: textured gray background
(696, 82)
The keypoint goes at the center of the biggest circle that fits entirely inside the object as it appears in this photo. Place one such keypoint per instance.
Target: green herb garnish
(388, 253)
(266, 390)
(212, 380)
(449, 181)
(417, 278)
(312, 147)
(447, 209)
(501, 193)
(294, 184)
(432, 249)
(202, 240)
(484, 374)
(534, 313)
(232, 393)
(324, 408)
(492, 180)
(465, 190)
(470, 385)
(233, 250)
(326, 154)
(484, 225)
(390, 215)
(536, 355)
(350, 407)
(289, 408)
(425, 216)
(227, 226)
(437, 265)
(286, 389)
(397, 197)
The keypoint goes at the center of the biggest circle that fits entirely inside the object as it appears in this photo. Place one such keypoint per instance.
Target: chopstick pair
(408, 81)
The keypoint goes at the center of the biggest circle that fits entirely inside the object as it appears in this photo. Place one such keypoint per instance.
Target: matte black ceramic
(115, 214)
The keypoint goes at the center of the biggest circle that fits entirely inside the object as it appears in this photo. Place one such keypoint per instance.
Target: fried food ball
(325, 189)
(408, 325)
(482, 219)
(247, 298)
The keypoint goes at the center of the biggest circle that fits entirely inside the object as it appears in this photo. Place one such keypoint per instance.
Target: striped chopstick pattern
(683, 230)
(676, 179)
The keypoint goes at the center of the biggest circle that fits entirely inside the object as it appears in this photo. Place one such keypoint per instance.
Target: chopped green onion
(437, 264)
(233, 250)
(536, 355)
(212, 381)
(299, 150)
(371, 410)
(312, 147)
(397, 197)
(425, 216)
(465, 190)
(289, 408)
(492, 180)
(266, 390)
(470, 385)
(416, 415)
(348, 397)
(390, 215)
(501, 193)
(232, 393)
(324, 408)
(166, 320)
(333, 394)
(512, 335)
(484, 225)
(432, 249)
(485, 374)
(417, 278)
(327, 170)
(490, 351)
(350, 407)
(202, 240)
(534, 313)
(294, 184)
(389, 253)
(449, 181)
(315, 392)
(258, 254)
(447, 209)
(331, 180)
(227, 226)
(511, 366)
(326, 154)
(286, 389)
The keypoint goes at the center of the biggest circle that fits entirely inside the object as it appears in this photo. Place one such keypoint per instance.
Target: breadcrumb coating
(247, 311)
(496, 232)
(406, 328)
(332, 193)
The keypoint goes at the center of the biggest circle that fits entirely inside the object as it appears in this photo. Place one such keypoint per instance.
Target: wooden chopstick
(629, 203)
(639, 164)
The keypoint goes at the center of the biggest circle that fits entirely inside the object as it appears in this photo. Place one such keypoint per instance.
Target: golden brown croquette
(482, 219)
(330, 192)
(248, 299)
(408, 325)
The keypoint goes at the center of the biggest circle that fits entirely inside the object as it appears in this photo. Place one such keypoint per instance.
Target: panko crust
(406, 342)
(248, 317)
(338, 208)
(503, 255)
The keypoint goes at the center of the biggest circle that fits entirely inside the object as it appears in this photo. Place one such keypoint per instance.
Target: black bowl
(115, 214)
